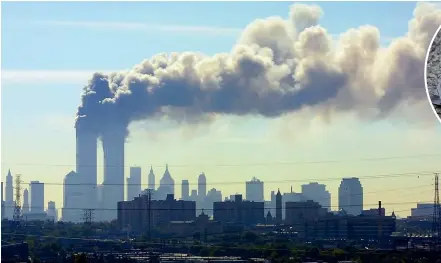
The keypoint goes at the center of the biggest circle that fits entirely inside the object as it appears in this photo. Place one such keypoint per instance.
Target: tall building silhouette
(3, 205)
(278, 207)
(151, 179)
(254, 190)
(202, 186)
(72, 198)
(52, 213)
(86, 165)
(134, 183)
(113, 190)
(350, 196)
(9, 196)
(317, 193)
(37, 197)
(185, 190)
(25, 201)
(166, 184)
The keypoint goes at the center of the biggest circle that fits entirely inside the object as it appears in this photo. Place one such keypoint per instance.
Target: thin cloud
(103, 25)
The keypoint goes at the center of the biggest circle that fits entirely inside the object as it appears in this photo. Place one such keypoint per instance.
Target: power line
(377, 176)
(211, 209)
(249, 164)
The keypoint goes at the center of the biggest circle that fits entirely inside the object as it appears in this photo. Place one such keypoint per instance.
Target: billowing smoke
(278, 66)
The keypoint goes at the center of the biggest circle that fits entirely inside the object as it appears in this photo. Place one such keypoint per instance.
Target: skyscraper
(52, 213)
(202, 186)
(185, 190)
(151, 179)
(254, 190)
(72, 198)
(3, 205)
(37, 197)
(25, 201)
(9, 188)
(9, 196)
(166, 184)
(134, 183)
(350, 196)
(113, 192)
(278, 207)
(317, 193)
(86, 165)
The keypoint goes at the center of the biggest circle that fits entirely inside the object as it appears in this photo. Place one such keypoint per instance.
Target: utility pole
(436, 223)
(17, 208)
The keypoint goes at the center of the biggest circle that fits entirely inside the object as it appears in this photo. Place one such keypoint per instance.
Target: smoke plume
(278, 66)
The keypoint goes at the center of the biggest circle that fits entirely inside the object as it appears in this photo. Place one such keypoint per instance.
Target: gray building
(139, 213)
(254, 190)
(350, 196)
(37, 197)
(185, 191)
(72, 198)
(239, 212)
(134, 183)
(317, 193)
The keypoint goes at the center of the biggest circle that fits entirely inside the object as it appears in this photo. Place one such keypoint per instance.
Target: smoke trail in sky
(277, 66)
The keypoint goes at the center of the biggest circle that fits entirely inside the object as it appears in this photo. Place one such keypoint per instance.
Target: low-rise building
(239, 211)
(140, 213)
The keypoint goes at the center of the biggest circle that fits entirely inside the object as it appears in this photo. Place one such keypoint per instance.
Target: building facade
(134, 183)
(317, 193)
(141, 212)
(239, 212)
(350, 196)
(254, 190)
(37, 197)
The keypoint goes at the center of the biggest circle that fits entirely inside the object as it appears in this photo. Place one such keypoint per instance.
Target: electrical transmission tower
(436, 223)
(88, 216)
(17, 208)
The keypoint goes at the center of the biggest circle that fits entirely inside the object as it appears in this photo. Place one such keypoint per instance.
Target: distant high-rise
(317, 193)
(37, 197)
(194, 195)
(72, 198)
(134, 183)
(214, 195)
(185, 190)
(9, 196)
(52, 213)
(3, 205)
(254, 190)
(278, 207)
(25, 201)
(166, 184)
(86, 165)
(202, 186)
(350, 196)
(113, 192)
(9, 188)
(151, 179)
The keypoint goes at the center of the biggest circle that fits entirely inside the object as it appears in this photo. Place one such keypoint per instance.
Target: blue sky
(52, 48)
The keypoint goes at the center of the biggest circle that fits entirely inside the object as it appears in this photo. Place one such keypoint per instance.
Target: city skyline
(228, 149)
(348, 200)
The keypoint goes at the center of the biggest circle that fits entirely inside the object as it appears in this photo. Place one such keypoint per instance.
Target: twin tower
(86, 168)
